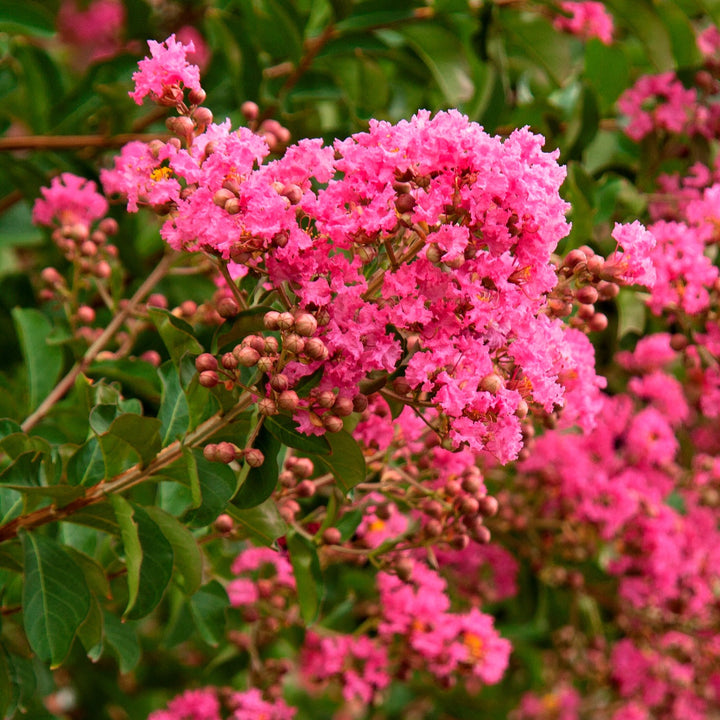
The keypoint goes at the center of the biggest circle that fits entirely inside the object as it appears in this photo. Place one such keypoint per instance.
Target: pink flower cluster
(427, 245)
(444, 643)
(586, 20)
(70, 200)
(94, 29)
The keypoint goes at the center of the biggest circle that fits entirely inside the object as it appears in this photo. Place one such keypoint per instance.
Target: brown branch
(74, 142)
(82, 365)
(131, 477)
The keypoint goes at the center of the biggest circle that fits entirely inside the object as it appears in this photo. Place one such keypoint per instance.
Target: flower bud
(203, 117)
(459, 542)
(227, 307)
(433, 528)
(316, 350)
(232, 206)
(271, 319)
(254, 458)
(332, 423)
(108, 226)
(267, 407)
(206, 361)
(326, 399)
(294, 343)
(587, 295)
(246, 356)
(332, 536)
(343, 407)
(224, 524)
(225, 453)
(279, 382)
(250, 110)
(305, 324)
(305, 489)
(102, 270)
(86, 315)
(302, 468)
(285, 321)
(488, 506)
(598, 322)
(208, 378)
(265, 364)
(288, 401)
(210, 452)
(492, 383)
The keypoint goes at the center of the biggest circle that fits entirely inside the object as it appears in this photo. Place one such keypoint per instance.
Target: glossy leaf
(56, 599)
(186, 553)
(43, 361)
(86, 466)
(285, 430)
(217, 484)
(260, 481)
(26, 18)
(174, 413)
(346, 460)
(308, 577)
(148, 557)
(130, 439)
(175, 333)
(263, 522)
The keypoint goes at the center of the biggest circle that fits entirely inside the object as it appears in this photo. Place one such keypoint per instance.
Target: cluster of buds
(227, 452)
(295, 485)
(584, 278)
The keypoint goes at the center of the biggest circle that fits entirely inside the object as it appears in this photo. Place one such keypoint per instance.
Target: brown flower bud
(254, 458)
(224, 524)
(285, 321)
(332, 423)
(315, 349)
(288, 400)
(305, 325)
(208, 378)
(332, 536)
(305, 489)
(294, 343)
(246, 356)
(267, 407)
(228, 308)
(343, 407)
(488, 506)
(587, 294)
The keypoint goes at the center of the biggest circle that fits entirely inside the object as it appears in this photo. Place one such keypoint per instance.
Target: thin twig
(69, 380)
(75, 142)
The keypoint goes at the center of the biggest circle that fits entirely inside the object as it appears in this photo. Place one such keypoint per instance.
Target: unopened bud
(587, 295)
(203, 117)
(488, 506)
(279, 382)
(305, 324)
(305, 489)
(288, 401)
(208, 378)
(294, 343)
(250, 110)
(492, 383)
(267, 407)
(326, 399)
(332, 536)
(224, 524)
(206, 361)
(254, 458)
(222, 196)
(227, 307)
(86, 315)
(246, 356)
(316, 350)
(343, 407)
(598, 322)
(271, 319)
(332, 423)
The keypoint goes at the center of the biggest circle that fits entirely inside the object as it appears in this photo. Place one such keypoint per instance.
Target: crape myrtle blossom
(586, 20)
(70, 200)
(166, 72)
(460, 227)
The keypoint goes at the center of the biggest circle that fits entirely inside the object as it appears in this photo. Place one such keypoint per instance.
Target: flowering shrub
(324, 405)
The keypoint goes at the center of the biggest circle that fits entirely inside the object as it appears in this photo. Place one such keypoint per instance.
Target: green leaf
(263, 522)
(148, 557)
(445, 57)
(175, 333)
(91, 631)
(56, 599)
(174, 413)
(86, 466)
(308, 577)
(260, 481)
(217, 485)
(207, 607)
(23, 472)
(285, 430)
(43, 361)
(100, 516)
(95, 577)
(187, 555)
(607, 70)
(137, 376)
(583, 125)
(130, 439)
(346, 460)
(631, 312)
(21, 17)
(121, 638)
(682, 35)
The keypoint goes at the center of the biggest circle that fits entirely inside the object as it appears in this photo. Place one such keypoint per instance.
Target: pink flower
(249, 705)
(191, 705)
(166, 73)
(587, 20)
(69, 200)
(633, 265)
(95, 31)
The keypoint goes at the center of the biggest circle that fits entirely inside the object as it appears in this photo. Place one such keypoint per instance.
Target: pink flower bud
(86, 315)
(488, 506)
(271, 319)
(229, 361)
(246, 356)
(203, 117)
(332, 536)
(228, 308)
(285, 321)
(208, 378)
(254, 458)
(224, 524)
(222, 196)
(267, 407)
(206, 361)
(279, 382)
(102, 270)
(332, 423)
(343, 407)
(250, 110)
(305, 489)
(587, 294)
(305, 324)
(294, 343)
(152, 357)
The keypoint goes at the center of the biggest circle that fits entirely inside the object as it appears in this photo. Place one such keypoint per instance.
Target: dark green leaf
(308, 577)
(682, 35)
(86, 467)
(174, 413)
(217, 485)
(136, 376)
(122, 639)
(91, 631)
(263, 522)
(175, 333)
(56, 599)
(18, 17)
(43, 361)
(148, 557)
(95, 577)
(23, 472)
(208, 607)
(245, 323)
(346, 460)
(608, 70)
(187, 556)
(130, 439)
(285, 430)
(260, 481)
(100, 516)
(445, 57)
